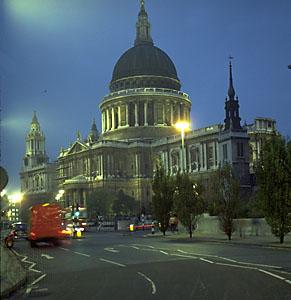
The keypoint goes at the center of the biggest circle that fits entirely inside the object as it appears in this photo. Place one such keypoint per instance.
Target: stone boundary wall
(243, 227)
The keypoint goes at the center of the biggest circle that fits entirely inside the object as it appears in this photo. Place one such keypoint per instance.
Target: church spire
(143, 27)
(94, 134)
(231, 91)
(232, 118)
(34, 123)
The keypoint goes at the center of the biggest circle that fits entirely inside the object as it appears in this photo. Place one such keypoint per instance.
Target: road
(113, 265)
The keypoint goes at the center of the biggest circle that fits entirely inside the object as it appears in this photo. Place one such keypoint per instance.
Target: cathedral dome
(144, 59)
(144, 65)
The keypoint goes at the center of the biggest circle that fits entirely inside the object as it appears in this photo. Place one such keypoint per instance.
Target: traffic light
(77, 212)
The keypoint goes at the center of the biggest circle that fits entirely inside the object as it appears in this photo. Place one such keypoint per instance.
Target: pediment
(77, 147)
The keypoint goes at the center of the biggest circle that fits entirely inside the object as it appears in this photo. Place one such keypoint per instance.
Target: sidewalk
(13, 274)
(252, 240)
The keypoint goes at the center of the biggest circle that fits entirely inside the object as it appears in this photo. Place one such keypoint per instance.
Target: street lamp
(60, 195)
(182, 126)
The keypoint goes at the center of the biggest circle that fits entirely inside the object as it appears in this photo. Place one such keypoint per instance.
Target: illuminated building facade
(138, 119)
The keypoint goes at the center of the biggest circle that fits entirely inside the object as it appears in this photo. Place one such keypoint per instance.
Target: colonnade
(143, 113)
(198, 157)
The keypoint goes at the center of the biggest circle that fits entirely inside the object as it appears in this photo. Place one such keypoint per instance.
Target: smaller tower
(35, 153)
(233, 140)
(143, 27)
(94, 134)
(232, 118)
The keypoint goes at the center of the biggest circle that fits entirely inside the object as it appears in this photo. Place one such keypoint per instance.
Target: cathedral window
(224, 151)
(240, 149)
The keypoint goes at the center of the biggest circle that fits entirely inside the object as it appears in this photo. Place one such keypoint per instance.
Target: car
(20, 230)
(140, 226)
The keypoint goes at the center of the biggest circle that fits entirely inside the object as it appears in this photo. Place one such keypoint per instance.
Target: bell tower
(35, 153)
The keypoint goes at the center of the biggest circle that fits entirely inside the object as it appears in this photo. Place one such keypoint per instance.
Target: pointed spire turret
(34, 118)
(94, 134)
(79, 135)
(34, 123)
(232, 118)
(231, 91)
(143, 27)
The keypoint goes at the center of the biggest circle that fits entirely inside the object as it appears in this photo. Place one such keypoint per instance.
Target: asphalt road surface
(124, 266)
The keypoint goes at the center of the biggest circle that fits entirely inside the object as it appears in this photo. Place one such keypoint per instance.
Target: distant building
(138, 130)
(37, 175)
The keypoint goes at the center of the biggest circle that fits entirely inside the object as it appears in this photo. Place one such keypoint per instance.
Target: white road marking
(112, 262)
(134, 247)
(259, 265)
(272, 274)
(41, 290)
(206, 260)
(152, 247)
(46, 256)
(24, 259)
(228, 259)
(111, 250)
(231, 260)
(87, 255)
(236, 266)
(164, 252)
(38, 279)
(64, 249)
(151, 282)
(185, 256)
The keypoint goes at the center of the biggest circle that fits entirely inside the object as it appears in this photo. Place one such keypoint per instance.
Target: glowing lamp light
(15, 198)
(183, 125)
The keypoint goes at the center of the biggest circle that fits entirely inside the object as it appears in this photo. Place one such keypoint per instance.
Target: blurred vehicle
(20, 230)
(46, 224)
(134, 227)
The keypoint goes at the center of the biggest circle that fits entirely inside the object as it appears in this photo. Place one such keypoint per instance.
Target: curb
(15, 276)
(213, 239)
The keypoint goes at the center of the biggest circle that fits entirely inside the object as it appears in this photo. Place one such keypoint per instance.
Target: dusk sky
(57, 58)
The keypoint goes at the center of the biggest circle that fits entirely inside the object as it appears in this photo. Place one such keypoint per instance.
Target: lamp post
(182, 126)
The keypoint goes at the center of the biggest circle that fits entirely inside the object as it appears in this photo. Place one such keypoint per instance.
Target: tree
(225, 191)
(188, 203)
(100, 201)
(124, 204)
(163, 192)
(273, 174)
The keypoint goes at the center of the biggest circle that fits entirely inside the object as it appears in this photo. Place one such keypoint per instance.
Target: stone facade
(138, 119)
(37, 175)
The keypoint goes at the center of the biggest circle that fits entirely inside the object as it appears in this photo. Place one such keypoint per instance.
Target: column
(171, 167)
(113, 118)
(103, 122)
(179, 113)
(136, 165)
(214, 154)
(135, 114)
(166, 161)
(172, 114)
(145, 113)
(189, 158)
(101, 166)
(205, 155)
(164, 114)
(201, 156)
(119, 116)
(126, 115)
(107, 117)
